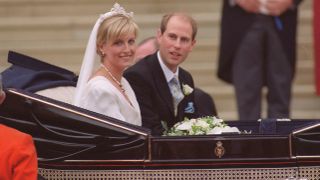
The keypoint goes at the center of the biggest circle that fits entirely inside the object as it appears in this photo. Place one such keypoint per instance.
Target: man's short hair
(167, 17)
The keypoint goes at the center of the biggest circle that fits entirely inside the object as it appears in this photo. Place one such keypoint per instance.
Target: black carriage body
(74, 140)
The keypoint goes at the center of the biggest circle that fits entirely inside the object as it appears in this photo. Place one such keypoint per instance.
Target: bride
(105, 90)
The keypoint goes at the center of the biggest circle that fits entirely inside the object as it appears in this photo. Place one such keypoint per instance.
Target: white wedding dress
(102, 97)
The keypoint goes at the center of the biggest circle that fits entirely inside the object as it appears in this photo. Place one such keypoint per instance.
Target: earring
(103, 54)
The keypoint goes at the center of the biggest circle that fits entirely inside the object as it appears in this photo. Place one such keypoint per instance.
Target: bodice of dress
(102, 97)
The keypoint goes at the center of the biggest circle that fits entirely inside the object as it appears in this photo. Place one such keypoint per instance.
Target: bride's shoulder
(99, 83)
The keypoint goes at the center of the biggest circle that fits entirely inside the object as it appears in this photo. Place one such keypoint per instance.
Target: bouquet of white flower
(200, 126)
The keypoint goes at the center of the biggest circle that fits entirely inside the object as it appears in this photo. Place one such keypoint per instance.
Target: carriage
(74, 143)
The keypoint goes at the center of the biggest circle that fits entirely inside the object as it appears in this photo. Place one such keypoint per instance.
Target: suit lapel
(187, 101)
(182, 81)
(161, 82)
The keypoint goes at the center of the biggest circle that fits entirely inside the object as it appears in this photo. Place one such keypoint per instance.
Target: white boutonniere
(186, 89)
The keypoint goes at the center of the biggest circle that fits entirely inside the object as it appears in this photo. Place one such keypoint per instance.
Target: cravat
(176, 93)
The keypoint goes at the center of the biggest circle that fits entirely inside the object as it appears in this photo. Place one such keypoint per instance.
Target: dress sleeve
(103, 100)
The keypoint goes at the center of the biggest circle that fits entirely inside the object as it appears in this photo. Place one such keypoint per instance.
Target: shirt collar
(167, 72)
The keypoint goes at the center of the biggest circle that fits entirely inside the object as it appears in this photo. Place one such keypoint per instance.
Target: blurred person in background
(258, 49)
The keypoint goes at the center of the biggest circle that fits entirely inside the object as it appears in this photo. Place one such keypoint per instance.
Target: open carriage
(73, 143)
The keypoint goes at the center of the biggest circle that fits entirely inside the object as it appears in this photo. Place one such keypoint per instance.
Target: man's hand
(268, 7)
(277, 7)
(251, 6)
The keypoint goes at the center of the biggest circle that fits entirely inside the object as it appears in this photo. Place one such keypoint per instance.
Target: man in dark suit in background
(257, 49)
(163, 89)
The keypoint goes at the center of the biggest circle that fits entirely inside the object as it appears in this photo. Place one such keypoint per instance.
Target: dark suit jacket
(234, 25)
(149, 83)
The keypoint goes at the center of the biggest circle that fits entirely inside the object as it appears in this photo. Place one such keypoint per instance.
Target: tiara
(115, 10)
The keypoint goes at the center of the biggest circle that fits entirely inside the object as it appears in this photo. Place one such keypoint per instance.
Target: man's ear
(159, 35)
(193, 43)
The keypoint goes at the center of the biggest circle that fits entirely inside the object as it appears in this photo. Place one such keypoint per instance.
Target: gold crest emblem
(219, 149)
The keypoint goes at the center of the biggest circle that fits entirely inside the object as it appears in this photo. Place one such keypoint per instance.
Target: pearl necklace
(113, 78)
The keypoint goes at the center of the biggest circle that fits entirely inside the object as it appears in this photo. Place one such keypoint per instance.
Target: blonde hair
(112, 28)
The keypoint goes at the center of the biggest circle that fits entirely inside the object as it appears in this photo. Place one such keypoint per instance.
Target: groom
(164, 101)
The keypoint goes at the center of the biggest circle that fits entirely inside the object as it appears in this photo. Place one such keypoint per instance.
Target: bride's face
(119, 54)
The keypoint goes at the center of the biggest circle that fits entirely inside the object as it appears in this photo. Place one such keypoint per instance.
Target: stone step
(301, 107)
(231, 114)
(88, 7)
(226, 92)
(207, 48)
(208, 23)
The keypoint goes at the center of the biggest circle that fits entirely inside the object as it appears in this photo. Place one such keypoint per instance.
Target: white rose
(184, 126)
(217, 121)
(202, 124)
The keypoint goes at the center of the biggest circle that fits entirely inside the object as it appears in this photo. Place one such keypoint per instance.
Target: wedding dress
(101, 96)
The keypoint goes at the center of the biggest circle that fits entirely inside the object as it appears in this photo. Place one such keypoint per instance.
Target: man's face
(176, 42)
